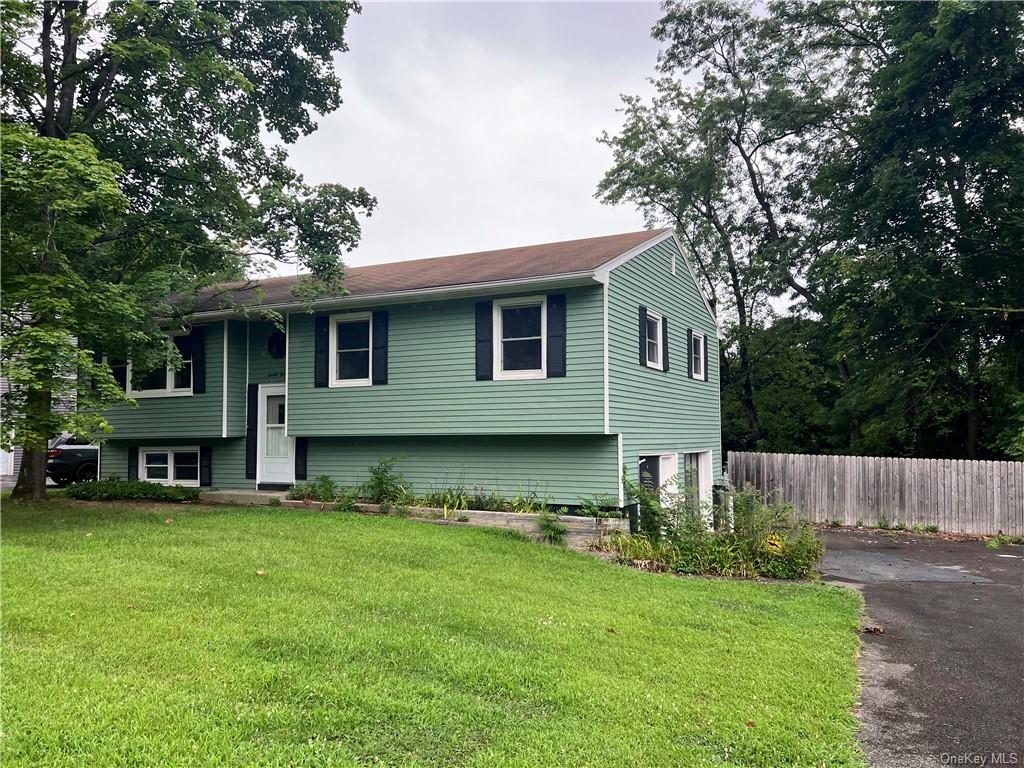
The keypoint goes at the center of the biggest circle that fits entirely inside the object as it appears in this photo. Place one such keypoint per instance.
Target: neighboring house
(545, 368)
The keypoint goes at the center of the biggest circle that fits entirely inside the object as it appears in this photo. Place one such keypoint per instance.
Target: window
(351, 341)
(169, 466)
(697, 356)
(162, 382)
(653, 340)
(520, 338)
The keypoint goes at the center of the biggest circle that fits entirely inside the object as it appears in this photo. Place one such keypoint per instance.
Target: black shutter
(205, 465)
(556, 335)
(484, 337)
(133, 462)
(198, 360)
(664, 343)
(301, 451)
(643, 335)
(706, 377)
(689, 352)
(321, 340)
(252, 404)
(379, 362)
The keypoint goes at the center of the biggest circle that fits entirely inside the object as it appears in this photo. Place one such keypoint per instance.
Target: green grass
(131, 641)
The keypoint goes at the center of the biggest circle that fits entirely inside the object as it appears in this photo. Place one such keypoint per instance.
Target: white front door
(274, 447)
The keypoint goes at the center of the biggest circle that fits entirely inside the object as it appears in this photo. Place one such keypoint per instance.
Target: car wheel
(85, 473)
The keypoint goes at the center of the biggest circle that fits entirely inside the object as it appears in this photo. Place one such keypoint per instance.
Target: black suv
(71, 460)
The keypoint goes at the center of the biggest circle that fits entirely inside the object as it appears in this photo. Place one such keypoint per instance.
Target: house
(544, 368)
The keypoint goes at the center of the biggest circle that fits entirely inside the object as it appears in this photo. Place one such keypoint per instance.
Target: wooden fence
(980, 497)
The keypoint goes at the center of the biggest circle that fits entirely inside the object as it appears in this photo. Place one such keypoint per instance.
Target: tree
(723, 153)
(925, 204)
(862, 163)
(195, 103)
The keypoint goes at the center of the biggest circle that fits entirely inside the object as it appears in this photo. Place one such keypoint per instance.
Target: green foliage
(528, 503)
(386, 486)
(144, 156)
(552, 530)
(488, 501)
(322, 488)
(448, 498)
(879, 199)
(598, 506)
(931, 528)
(765, 541)
(346, 500)
(1002, 540)
(135, 490)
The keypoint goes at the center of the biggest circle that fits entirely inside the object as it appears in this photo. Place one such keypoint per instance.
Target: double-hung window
(351, 339)
(697, 356)
(169, 466)
(653, 340)
(160, 382)
(520, 338)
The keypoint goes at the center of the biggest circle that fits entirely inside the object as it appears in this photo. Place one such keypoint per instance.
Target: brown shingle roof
(524, 262)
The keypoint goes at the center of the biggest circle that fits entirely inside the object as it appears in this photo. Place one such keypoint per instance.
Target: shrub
(323, 488)
(346, 501)
(599, 506)
(133, 490)
(552, 530)
(931, 528)
(386, 486)
(765, 541)
(488, 501)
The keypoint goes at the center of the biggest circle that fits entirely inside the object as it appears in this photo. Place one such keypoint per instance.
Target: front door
(276, 449)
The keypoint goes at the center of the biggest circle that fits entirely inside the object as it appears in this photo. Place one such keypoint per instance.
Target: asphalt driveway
(944, 680)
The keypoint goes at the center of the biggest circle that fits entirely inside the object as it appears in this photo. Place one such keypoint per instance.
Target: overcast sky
(475, 124)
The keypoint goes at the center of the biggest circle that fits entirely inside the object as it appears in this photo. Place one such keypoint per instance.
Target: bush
(386, 486)
(347, 499)
(599, 506)
(323, 488)
(552, 530)
(450, 498)
(765, 541)
(488, 501)
(134, 490)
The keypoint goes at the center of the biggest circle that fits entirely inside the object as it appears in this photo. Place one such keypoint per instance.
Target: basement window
(170, 466)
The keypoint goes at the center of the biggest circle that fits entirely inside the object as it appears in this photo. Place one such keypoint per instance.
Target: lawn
(153, 635)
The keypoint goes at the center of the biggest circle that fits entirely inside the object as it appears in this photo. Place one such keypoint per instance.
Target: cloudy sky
(475, 124)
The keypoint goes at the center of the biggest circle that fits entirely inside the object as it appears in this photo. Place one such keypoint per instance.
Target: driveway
(944, 680)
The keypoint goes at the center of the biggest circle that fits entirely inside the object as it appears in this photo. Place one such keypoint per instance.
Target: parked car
(71, 460)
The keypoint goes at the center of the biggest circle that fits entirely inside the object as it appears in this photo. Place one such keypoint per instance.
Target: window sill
(655, 367)
(152, 393)
(345, 384)
(519, 375)
(171, 483)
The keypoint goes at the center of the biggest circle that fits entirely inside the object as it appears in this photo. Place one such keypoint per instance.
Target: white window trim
(496, 333)
(703, 376)
(332, 321)
(170, 451)
(660, 365)
(140, 394)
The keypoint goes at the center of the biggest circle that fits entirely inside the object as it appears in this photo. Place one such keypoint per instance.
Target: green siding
(566, 468)
(237, 364)
(189, 416)
(432, 385)
(655, 411)
(263, 369)
(227, 460)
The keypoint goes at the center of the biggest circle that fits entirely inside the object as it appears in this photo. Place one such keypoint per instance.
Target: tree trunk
(31, 483)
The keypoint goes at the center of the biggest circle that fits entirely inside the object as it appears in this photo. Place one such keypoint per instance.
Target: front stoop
(256, 498)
